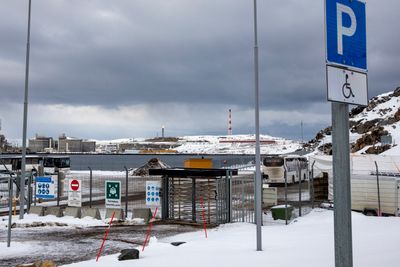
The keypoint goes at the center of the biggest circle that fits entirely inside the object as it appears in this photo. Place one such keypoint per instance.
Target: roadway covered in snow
(307, 241)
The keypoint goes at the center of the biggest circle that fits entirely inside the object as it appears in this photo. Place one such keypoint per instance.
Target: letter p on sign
(341, 29)
(346, 35)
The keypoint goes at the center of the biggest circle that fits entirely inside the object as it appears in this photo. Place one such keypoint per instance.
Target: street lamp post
(23, 160)
(258, 184)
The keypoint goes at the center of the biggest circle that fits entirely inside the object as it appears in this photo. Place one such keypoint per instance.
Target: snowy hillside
(203, 144)
(235, 144)
(373, 129)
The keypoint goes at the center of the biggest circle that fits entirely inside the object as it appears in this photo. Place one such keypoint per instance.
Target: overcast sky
(123, 68)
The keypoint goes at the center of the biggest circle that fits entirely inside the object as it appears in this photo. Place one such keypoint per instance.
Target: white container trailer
(364, 194)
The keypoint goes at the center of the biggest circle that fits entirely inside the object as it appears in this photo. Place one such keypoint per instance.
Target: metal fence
(11, 191)
(242, 198)
(227, 199)
(133, 189)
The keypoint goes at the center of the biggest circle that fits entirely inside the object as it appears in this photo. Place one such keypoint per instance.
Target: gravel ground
(65, 245)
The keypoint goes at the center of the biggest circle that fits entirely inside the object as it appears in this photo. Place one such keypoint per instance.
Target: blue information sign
(45, 187)
(346, 37)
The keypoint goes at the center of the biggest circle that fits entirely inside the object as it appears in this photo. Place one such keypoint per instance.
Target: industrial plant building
(63, 144)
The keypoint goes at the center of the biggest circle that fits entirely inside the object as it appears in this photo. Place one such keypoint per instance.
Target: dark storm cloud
(117, 53)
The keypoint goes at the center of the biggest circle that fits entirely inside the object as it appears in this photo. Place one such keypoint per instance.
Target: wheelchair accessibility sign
(346, 47)
(347, 86)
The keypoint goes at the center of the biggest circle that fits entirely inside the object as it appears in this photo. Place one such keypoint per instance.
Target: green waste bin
(278, 212)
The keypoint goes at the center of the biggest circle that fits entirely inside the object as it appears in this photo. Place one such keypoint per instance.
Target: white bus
(274, 168)
(55, 164)
(12, 163)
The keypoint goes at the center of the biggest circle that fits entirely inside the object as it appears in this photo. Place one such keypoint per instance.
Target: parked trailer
(364, 194)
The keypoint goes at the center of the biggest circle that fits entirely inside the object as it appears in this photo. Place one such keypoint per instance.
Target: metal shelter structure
(194, 195)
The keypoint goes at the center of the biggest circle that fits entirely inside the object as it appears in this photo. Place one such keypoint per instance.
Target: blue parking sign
(346, 37)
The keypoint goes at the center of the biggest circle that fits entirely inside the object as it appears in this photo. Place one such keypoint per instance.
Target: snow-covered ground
(33, 220)
(308, 241)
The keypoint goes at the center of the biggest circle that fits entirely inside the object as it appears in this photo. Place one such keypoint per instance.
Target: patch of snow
(15, 249)
(31, 220)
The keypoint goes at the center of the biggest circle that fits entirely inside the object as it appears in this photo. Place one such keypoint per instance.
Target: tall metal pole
(257, 125)
(23, 160)
(341, 185)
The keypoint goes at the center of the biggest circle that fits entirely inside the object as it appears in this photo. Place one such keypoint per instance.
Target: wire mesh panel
(243, 198)
(137, 191)
(4, 193)
(205, 198)
(190, 198)
(222, 200)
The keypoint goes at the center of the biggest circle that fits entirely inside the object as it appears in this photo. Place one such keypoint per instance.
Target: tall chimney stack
(230, 123)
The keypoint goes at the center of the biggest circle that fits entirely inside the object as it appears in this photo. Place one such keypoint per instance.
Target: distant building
(3, 143)
(71, 144)
(88, 146)
(127, 146)
(40, 144)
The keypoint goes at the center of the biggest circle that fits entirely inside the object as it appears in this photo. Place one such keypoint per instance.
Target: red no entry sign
(75, 185)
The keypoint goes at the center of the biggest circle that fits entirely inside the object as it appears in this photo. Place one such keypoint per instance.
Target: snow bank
(33, 220)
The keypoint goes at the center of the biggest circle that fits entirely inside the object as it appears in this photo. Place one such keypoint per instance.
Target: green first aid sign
(113, 194)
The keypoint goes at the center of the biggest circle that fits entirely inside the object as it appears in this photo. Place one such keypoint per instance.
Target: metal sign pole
(257, 124)
(341, 185)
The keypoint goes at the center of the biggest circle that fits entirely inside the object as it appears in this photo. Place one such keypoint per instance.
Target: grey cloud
(117, 53)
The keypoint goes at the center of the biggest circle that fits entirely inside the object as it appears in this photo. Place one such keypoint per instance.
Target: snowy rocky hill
(236, 144)
(374, 129)
(204, 144)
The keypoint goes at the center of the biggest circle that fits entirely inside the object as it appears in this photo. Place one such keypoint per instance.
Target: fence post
(164, 204)
(10, 199)
(30, 192)
(34, 199)
(242, 200)
(90, 186)
(193, 200)
(286, 213)
(58, 188)
(126, 192)
(254, 202)
(379, 193)
(299, 174)
(312, 185)
(230, 195)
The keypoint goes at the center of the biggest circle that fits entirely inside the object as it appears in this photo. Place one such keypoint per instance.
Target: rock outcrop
(153, 163)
